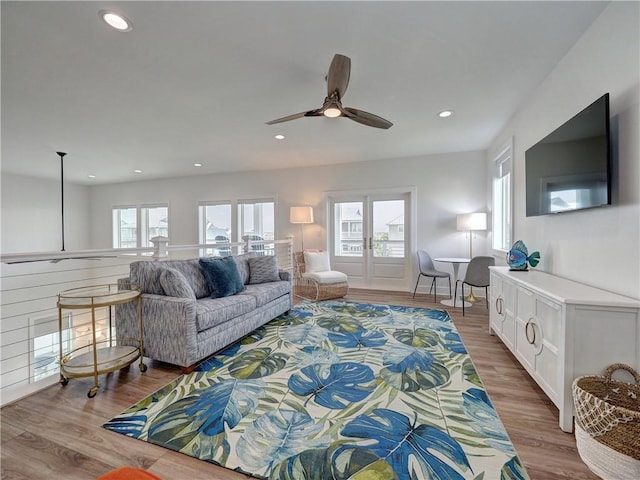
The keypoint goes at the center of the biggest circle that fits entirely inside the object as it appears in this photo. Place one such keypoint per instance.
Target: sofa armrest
(285, 275)
(169, 326)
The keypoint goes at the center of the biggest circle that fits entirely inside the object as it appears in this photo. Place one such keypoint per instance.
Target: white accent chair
(313, 278)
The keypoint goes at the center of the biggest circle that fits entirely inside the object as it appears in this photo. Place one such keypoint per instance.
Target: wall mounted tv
(570, 169)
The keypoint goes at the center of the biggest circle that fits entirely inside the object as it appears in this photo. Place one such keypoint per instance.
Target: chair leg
(434, 287)
(449, 287)
(463, 299)
(486, 296)
(414, 290)
(455, 294)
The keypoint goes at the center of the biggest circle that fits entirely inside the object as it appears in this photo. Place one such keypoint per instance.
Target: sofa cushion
(146, 275)
(242, 262)
(222, 276)
(175, 284)
(266, 292)
(316, 262)
(215, 311)
(263, 269)
(329, 277)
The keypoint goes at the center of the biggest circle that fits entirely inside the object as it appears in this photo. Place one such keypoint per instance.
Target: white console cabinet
(559, 329)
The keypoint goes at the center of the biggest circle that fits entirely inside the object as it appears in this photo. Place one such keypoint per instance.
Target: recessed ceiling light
(197, 164)
(445, 113)
(116, 20)
(137, 171)
(279, 136)
(91, 176)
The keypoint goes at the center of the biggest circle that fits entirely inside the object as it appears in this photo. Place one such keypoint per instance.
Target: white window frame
(144, 239)
(202, 224)
(142, 223)
(240, 215)
(116, 231)
(502, 198)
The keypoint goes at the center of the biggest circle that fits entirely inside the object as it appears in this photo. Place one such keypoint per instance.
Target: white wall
(446, 184)
(31, 215)
(601, 246)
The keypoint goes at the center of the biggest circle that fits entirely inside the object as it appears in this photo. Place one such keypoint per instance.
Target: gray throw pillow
(242, 262)
(175, 284)
(263, 269)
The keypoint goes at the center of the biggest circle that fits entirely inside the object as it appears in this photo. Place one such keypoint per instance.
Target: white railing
(30, 283)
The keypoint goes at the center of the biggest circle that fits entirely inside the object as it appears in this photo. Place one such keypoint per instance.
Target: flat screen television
(570, 169)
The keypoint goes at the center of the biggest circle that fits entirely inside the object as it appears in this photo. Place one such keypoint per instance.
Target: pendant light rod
(62, 154)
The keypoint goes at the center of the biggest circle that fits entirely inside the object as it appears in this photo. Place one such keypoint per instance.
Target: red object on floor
(128, 473)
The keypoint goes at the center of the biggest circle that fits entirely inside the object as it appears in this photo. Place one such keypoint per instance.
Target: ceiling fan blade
(338, 76)
(310, 113)
(367, 118)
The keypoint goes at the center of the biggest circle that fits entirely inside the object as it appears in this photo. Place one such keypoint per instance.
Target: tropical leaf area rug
(335, 390)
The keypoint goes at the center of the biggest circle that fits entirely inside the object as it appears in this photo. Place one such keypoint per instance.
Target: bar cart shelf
(98, 357)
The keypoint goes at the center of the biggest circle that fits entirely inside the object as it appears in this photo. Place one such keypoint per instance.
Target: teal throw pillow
(222, 276)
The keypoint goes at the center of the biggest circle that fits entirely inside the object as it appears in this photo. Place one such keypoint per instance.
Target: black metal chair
(428, 269)
(477, 275)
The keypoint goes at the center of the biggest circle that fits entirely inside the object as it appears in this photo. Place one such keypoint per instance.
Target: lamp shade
(301, 215)
(472, 221)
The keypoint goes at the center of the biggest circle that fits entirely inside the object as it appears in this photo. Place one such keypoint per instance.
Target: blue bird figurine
(518, 257)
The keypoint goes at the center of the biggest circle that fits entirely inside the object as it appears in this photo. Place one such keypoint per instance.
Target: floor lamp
(301, 215)
(470, 222)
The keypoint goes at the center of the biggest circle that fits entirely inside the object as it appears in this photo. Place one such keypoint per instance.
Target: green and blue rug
(335, 390)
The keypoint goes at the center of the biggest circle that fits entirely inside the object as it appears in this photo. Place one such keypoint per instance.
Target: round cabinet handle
(531, 324)
(499, 305)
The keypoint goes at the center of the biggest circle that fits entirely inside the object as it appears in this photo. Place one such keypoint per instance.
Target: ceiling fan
(337, 82)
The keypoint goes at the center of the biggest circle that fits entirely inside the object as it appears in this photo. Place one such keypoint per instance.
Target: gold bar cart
(98, 357)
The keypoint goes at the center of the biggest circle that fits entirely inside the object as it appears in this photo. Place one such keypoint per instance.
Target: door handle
(531, 323)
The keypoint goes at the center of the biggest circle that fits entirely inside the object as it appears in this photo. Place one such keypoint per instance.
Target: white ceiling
(196, 81)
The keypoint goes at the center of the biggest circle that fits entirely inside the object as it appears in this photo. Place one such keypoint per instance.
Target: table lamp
(301, 215)
(470, 222)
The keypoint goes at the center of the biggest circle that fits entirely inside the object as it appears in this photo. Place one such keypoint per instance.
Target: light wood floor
(57, 433)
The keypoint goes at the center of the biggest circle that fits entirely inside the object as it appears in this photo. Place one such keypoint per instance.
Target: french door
(369, 239)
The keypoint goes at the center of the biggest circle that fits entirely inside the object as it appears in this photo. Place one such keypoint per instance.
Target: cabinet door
(548, 315)
(537, 339)
(526, 341)
(501, 312)
(496, 305)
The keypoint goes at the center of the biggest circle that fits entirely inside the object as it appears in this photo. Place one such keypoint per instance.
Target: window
(502, 199)
(154, 223)
(215, 226)
(256, 217)
(152, 219)
(125, 227)
(256, 221)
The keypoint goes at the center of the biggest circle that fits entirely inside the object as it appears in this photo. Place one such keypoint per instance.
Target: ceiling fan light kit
(337, 82)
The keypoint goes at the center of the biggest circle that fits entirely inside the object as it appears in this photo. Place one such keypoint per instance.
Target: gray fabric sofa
(184, 330)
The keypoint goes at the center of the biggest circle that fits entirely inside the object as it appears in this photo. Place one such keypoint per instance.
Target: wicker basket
(608, 424)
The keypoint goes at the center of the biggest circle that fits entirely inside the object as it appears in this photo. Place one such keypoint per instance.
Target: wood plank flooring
(57, 433)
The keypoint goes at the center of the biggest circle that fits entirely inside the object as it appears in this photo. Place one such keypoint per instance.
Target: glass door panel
(388, 236)
(348, 229)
